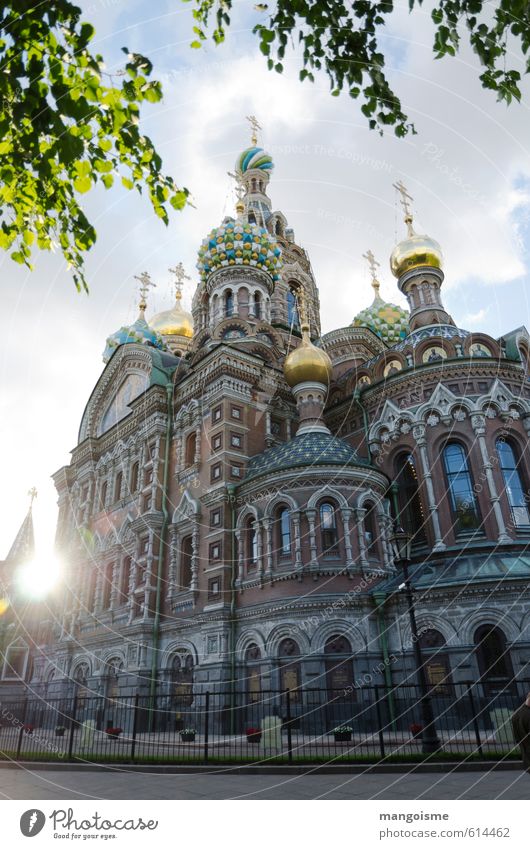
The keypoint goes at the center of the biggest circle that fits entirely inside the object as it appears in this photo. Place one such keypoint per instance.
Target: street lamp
(401, 543)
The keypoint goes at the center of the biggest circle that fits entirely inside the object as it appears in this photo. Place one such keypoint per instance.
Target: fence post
(206, 723)
(24, 713)
(289, 728)
(72, 728)
(379, 722)
(135, 726)
(475, 720)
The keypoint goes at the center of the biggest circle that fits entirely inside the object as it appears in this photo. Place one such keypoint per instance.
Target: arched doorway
(181, 687)
(493, 658)
(339, 667)
(253, 672)
(435, 661)
(289, 667)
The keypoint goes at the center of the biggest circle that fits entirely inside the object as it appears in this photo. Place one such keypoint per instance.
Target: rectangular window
(236, 412)
(214, 588)
(15, 662)
(236, 440)
(215, 518)
(148, 477)
(215, 551)
(236, 471)
(216, 472)
(144, 545)
(217, 414)
(147, 503)
(217, 441)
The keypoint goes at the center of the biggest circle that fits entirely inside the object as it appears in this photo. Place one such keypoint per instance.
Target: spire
(23, 547)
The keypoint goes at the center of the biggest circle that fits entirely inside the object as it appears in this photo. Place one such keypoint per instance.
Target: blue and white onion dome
(138, 333)
(239, 243)
(254, 157)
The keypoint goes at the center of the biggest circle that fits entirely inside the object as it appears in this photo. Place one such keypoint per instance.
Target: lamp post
(401, 547)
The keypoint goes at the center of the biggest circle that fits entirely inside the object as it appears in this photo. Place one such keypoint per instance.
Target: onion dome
(307, 363)
(239, 243)
(254, 157)
(138, 333)
(415, 251)
(174, 322)
(388, 321)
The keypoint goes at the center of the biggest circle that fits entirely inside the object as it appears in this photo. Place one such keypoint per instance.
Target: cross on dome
(406, 203)
(373, 266)
(180, 277)
(254, 127)
(32, 496)
(145, 284)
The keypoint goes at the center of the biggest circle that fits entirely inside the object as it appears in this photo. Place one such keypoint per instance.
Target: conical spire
(23, 547)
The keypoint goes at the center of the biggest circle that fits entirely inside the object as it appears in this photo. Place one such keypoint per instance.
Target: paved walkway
(116, 784)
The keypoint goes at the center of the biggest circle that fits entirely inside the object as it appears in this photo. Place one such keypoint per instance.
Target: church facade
(227, 512)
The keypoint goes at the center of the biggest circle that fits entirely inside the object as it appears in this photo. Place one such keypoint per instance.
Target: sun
(39, 576)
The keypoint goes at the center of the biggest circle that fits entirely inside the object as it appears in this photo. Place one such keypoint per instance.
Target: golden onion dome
(174, 322)
(414, 252)
(307, 363)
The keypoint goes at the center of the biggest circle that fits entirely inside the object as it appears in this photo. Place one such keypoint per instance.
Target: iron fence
(305, 725)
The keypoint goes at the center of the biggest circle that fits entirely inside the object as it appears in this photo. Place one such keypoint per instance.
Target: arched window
(284, 532)
(229, 303)
(186, 555)
(494, 662)
(289, 662)
(513, 484)
(117, 486)
(103, 495)
(125, 578)
(182, 679)
(278, 227)
(435, 660)
(328, 529)
(463, 502)
(411, 515)
(370, 533)
(134, 477)
(251, 218)
(339, 666)
(191, 447)
(91, 590)
(293, 317)
(251, 543)
(257, 305)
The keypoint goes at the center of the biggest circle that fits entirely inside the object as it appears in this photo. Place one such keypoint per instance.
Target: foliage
(340, 37)
(65, 126)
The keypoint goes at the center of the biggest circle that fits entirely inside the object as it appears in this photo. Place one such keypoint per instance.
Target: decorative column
(418, 432)
(346, 516)
(478, 423)
(240, 555)
(298, 565)
(259, 546)
(311, 517)
(198, 429)
(98, 594)
(267, 527)
(115, 587)
(179, 452)
(195, 556)
(360, 513)
(173, 556)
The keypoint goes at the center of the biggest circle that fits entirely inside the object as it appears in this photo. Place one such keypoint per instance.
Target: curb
(317, 769)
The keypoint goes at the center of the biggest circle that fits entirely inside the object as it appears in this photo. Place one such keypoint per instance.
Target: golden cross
(180, 276)
(145, 284)
(372, 263)
(254, 126)
(405, 198)
(32, 495)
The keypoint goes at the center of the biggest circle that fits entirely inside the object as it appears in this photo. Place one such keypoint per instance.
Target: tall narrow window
(107, 585)
(493, 656)
(117, 486)
(293, 318)
(328, 529)
(134, 477)
(251, 543)
(513, 484)
(370, 532)
(411, 515)
(103, 495)
(186, 554)
(284, 524)
(191, 446)
(463, 502)
(125, 578)
(257, 305)
(229, 303)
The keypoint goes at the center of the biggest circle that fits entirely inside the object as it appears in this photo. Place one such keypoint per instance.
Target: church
(226, 516)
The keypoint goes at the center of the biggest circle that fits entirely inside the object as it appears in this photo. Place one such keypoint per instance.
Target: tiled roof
(307, 450)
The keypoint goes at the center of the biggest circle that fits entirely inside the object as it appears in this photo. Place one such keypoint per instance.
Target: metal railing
(305, 725)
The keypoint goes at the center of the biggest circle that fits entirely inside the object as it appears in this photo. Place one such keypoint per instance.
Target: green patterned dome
(238, 243)
(388, 321)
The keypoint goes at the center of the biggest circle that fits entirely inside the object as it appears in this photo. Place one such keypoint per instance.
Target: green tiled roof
(472, 569)
(305, 451)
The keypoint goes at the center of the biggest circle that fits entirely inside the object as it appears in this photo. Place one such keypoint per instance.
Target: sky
(468, 170)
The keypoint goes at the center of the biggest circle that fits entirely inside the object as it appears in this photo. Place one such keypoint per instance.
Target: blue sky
(468, 170)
